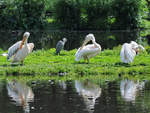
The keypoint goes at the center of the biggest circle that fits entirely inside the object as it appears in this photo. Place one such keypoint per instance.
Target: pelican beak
(137, 51)
(23, 40)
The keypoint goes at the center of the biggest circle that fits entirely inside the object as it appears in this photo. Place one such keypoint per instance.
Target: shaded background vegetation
(72, 14)
(53, 19)
(100, 14)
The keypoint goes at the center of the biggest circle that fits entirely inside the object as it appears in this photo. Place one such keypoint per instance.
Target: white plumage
(87, 51)
(130, 88)
(13, 49)
(129, 51)
(21, 94)
(89, 92)
(20, 49)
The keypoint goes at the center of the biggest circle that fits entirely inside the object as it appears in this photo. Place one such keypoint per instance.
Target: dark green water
(122, 96)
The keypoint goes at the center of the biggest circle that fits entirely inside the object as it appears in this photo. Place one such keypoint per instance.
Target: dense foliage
(22, 14)
(101, 14)
(72, 14)
(68, 13)
(39, 16)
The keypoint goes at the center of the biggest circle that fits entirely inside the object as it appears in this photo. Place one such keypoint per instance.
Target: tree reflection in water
(90, 92)
(20, 93)
(130, 88)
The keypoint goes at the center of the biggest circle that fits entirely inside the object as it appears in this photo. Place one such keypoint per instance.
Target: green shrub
(99, 13)
(147, 48)
(73, 14)
(67, 13)
(22, 14)
(128, 13)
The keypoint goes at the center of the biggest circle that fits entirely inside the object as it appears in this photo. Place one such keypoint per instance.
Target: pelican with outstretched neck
(129, 51)
(20, 49)
(87, 51)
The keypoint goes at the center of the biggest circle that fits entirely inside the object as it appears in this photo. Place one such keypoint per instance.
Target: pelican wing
(30, 47)
(127, 54)
(80, 52)
(13, 49)
(88, 50)
(93, 51)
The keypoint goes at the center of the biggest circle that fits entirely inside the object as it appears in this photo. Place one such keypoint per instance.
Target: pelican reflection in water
(130, 88)
(62, 84)
(90, 92)
(21, 94)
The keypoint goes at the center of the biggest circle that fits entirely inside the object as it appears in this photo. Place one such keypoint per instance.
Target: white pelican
(129, 51)
(21, 94)
(87, 51)
(20, 49)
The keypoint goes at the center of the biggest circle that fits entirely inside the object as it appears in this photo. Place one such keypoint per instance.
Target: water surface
(122, 96)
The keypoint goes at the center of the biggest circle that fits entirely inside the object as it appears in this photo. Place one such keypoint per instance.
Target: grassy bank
(45, 62)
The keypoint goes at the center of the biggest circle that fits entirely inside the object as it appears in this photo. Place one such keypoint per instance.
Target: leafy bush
(128, 13)
(22, 14)
(101, 14)
(147, 48)
(73, 14)
(68, 13)
(98, 13)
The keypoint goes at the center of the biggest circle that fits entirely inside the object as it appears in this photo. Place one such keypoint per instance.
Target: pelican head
(134, 44)
(64, 39)
(26, 34)
(25, 37)
(88, 38)
(135, 47)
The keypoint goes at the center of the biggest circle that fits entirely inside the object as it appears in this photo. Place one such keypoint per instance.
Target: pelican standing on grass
(60, 45)
(129, 51)
(87, 51)
(20, 49)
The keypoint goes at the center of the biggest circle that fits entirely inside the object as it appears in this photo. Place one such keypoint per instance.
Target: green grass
(106, 65)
